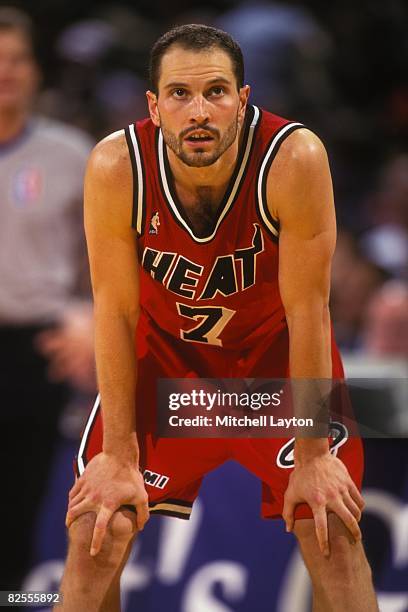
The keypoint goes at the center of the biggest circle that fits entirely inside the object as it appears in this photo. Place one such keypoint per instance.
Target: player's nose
(199, 110)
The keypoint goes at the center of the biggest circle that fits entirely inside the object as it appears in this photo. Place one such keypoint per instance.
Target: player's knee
(123, 526)
(121, 530)
(81, 530)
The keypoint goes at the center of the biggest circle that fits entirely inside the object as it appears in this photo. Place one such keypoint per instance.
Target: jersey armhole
(139, 185)
(271, 224)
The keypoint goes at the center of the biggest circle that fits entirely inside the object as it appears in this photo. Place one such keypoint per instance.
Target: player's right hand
(106, 484)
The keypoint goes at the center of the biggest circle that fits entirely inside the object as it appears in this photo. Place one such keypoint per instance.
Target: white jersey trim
(91, 418)
(272, 149)
(138, 160)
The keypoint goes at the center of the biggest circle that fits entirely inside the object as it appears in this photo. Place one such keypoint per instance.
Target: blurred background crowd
(338, 67)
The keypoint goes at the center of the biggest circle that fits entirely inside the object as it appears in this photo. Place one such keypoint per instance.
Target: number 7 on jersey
(211, 322)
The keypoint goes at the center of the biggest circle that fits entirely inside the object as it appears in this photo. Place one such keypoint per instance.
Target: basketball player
(233, 226)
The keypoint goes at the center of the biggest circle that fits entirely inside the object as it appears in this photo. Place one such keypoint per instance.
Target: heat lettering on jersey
(181, 277)
(158, 263)
(222, 279)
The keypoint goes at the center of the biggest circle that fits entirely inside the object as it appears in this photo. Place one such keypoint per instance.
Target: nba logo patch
(154, 223)
(27, 186)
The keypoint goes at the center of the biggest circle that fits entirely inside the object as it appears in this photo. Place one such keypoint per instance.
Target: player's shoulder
(302, 147)
(67, 138)
(109, 160)
(300, 167)
(108, 185)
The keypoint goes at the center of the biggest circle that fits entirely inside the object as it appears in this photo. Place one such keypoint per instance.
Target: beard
(199, 158)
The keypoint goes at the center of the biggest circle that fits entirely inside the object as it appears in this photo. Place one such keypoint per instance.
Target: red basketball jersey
(222, 289)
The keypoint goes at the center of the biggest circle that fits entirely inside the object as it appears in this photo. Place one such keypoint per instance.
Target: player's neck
(188, 180)
(12, 123)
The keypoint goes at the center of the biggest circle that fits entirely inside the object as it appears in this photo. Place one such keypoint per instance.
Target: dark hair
(196, 37)
(12, 18)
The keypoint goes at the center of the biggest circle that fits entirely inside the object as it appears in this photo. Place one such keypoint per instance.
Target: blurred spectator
(354, 281)
(45, 316)
(101, 86)
(385, 332)
(386, 244)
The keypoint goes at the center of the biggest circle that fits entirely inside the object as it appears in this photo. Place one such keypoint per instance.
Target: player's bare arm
(112, 477)
(300, 196)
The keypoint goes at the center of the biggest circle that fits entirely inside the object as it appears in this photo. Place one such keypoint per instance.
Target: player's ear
(243, 101)
(153, 110)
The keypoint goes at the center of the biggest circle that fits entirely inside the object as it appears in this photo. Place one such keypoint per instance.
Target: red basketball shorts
(174, 468)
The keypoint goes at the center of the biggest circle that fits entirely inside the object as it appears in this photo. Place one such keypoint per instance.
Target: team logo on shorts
(154, 223)
(338, 436)
(155, 480)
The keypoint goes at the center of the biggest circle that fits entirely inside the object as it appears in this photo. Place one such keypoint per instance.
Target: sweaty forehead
(183, 65)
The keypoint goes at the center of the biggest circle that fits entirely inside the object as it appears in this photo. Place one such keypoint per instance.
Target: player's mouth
(198, 138)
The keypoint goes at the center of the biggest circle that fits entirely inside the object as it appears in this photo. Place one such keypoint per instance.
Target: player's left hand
(323, 482)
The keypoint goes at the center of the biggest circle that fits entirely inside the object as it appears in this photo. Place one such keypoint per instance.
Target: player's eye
(216, 91)
(179, 92)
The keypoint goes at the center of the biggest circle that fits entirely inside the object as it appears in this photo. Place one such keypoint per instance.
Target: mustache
(208, 128)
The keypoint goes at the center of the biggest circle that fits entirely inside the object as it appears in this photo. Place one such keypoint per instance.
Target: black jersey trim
(252, 121)
(268, 222)
(139, 181)
(172, 513)
(83, 447)
(174, 502)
